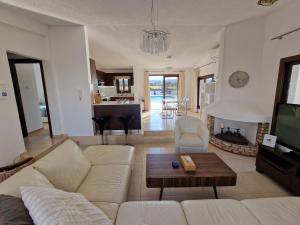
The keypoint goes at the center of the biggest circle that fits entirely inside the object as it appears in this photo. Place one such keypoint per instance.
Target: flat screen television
(287, 127)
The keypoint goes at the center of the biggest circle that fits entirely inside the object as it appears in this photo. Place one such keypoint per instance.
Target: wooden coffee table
(211, 171)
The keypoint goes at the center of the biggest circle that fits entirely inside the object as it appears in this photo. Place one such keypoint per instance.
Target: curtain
(147, 92)
(195, 76)
(181, 85)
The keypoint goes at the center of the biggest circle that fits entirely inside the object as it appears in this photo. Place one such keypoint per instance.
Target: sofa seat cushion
(190, 139)
(151, 213)
(110, 209)
(65, 167)
(106, 183)
(109, 154)
(26, 177)
(275, 211)
(217, 212)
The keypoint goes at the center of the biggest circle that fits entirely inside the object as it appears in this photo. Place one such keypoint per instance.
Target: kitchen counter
(117, 103)
(114, 110)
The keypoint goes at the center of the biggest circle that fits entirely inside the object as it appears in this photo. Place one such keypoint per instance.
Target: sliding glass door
(171, 88)
(162, 87)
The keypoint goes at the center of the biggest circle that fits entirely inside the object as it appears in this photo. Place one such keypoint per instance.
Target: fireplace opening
(232, 136)
(237, 137)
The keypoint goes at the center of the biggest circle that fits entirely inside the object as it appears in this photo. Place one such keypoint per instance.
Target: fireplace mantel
(237, 111)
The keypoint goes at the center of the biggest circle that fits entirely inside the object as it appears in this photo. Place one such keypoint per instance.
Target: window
(123, 84)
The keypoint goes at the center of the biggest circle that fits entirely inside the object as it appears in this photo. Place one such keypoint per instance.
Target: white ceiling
(42, 18)
(114, 26)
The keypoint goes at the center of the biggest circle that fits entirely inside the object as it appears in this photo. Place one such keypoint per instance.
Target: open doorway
(163, 91)
(31, 97)
(162, 88)
(206, 88)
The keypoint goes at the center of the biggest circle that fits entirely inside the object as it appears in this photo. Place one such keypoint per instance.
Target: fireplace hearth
(234, 141)
(232, 137)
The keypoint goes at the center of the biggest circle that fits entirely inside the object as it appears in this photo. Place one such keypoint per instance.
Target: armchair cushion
(191, 135)
(190, 139)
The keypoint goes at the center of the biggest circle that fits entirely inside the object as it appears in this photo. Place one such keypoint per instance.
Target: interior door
(12, 64)
(205, 88)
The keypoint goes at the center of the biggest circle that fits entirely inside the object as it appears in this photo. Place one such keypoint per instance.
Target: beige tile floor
(153, 121)
(40, 141)
(250, 184)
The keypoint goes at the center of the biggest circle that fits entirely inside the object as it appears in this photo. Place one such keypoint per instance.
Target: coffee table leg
(215, 191)
(161, 193)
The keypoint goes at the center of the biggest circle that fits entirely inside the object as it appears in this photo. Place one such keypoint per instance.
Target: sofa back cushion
(275, 211)
(65, 167)
(26, 177)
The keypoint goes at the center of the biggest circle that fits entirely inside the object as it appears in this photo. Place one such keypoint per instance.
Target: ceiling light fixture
(169, 57)
(266, 2)
(154, 41)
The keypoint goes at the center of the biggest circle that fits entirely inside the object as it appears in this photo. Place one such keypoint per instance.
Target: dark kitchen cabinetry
(109, 78)
(94, 78)
(122, 97)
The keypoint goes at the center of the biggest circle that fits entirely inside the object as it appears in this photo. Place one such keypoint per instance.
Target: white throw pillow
(50, 206)
(65, 167)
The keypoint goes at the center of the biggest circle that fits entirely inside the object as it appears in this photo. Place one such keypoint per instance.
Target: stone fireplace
(239, 121)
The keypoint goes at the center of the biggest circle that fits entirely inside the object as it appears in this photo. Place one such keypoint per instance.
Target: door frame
(283, 80)
(198, 85)
(12, 65)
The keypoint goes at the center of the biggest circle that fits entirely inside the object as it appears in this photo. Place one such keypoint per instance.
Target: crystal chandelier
(154, 41)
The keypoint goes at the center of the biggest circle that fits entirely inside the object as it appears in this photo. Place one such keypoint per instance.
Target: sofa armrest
(203, 134)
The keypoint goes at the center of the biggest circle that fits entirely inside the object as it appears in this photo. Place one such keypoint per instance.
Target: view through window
(162, 87)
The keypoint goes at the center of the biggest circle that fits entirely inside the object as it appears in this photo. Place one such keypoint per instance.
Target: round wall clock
(239, 79)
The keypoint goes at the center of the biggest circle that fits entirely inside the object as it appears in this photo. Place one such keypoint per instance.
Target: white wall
(209, 63)
(29, 95)
(139, 87)
(188, 84)
(69, 57)
(65, 61)
(242, 50)
(277, 23)
(39, 82)
(248, 46)
(29, 44)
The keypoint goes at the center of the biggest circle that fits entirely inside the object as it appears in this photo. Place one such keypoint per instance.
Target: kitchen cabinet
(94, 77)
(109, 78)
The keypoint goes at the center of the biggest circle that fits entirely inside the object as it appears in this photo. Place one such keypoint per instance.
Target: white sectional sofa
(265, 211)
(102, 175)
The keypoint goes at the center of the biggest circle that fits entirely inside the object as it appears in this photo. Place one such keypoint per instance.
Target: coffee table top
(211, 171)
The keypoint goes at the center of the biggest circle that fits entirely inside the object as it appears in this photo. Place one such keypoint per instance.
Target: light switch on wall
(3, 91)
(80, 95)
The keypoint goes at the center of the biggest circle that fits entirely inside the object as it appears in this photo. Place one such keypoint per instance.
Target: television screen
(288, 126)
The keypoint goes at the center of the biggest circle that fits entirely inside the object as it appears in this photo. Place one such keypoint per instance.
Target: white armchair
(191, 135)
